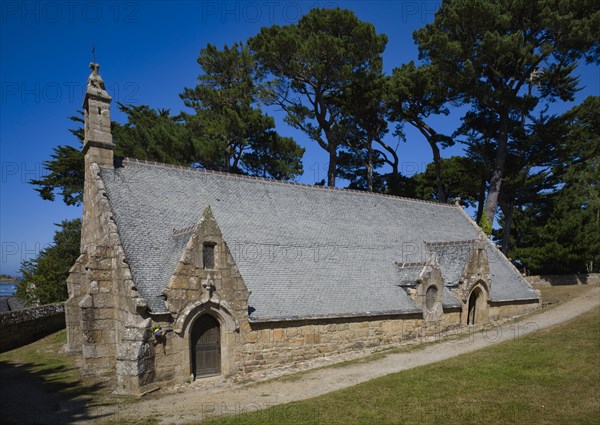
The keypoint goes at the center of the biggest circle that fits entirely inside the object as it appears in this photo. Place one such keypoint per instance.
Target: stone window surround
(209, 246)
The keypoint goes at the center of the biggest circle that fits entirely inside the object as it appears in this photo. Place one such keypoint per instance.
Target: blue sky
(148, 51)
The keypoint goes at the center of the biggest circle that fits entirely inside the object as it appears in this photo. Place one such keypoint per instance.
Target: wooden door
(206, 346)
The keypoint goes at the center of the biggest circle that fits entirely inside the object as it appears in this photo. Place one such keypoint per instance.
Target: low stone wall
(567, 279)
(21, 327)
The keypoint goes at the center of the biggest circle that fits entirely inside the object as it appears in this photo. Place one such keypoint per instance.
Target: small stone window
(431, 297)
(208, 255)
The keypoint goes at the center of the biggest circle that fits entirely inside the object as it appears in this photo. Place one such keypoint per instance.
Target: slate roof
(304, 251)
(408, 274)
(452, 259)
(449, 300)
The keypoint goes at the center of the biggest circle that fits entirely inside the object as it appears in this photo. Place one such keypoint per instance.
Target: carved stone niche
(430, 292)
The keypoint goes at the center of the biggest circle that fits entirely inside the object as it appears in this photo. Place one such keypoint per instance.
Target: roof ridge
(179, 232)
(410, 265)
(284, 182)
(450, 243)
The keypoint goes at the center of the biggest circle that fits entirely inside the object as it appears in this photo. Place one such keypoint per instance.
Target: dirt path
(196, 403)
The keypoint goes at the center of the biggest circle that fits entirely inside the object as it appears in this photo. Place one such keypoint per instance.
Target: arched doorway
(206, 346)
(473, 304)
(477, 306)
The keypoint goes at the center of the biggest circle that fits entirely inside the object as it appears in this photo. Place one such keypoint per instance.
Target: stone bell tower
(98, 152)
(97, 145)
(84, 281)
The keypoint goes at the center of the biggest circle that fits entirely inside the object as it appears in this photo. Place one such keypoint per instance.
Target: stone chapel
(187, 273)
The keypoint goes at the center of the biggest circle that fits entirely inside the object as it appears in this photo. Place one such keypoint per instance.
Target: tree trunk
(432, 138)
(442, 197)
(227, 157)
(508, 210)
(370, 167)
(480, 199)
(332, 170)
(496, 180)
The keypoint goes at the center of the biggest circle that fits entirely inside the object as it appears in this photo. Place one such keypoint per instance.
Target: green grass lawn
(562, 293)
(44, 382)
(44, 357)
(550, 377)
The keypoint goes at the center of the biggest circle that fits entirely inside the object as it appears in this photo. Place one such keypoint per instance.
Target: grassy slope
(557, 369)
(49, 377)
(44, 357)
(550, 377)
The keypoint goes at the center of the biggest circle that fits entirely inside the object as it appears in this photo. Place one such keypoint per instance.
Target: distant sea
(8, 288)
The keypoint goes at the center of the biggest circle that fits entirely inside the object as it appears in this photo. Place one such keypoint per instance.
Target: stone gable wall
(195, 290)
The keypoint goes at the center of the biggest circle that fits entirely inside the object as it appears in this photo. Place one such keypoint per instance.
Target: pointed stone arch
(227, 325)
(477, 304)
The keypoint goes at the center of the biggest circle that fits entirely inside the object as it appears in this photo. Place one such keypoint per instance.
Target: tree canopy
(311, 67)
(560, 231)
(229, 132)
(505, 61)
(45, 276)
(505, 56)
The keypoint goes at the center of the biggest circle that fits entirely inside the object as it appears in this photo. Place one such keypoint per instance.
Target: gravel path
(195, 403)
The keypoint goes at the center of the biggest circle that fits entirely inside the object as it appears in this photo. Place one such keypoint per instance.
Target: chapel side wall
(258, 348)
(500, 311)
(304, 344)
(265, 346)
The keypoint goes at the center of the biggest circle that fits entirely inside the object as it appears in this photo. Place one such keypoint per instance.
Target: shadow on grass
(30, 394)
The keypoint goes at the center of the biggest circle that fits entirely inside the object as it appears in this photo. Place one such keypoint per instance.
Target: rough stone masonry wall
(270, 346)
(499, 311)
(569, 279)
(104, 320)
(90, 283)
(21, 327)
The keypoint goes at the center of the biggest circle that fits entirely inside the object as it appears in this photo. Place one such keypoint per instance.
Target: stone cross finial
(95, 80)
(97, 143)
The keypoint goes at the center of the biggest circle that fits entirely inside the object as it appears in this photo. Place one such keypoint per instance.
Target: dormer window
(208, 255)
